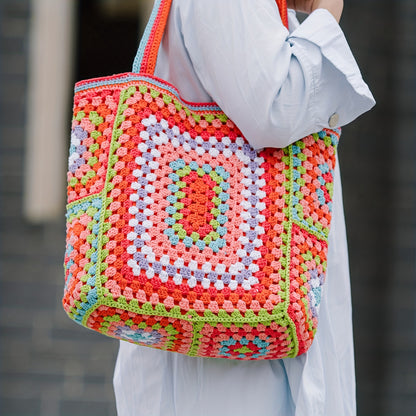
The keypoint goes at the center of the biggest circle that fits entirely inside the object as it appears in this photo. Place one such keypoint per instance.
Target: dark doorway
(108, 35)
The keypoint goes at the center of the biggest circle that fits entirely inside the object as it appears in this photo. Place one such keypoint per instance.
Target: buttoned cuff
(321, 29)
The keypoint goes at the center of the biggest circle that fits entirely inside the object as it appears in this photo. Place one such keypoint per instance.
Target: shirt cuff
(338, 69)
(321, 28)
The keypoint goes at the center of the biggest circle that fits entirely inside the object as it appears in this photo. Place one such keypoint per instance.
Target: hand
(308, 6)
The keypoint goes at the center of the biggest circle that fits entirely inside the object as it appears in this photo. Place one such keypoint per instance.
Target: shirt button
(333, 120)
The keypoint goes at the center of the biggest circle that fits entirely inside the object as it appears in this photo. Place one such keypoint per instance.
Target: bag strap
(282, 5)
(145, 60)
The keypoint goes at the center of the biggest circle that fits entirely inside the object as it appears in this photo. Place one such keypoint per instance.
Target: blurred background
(50, 366)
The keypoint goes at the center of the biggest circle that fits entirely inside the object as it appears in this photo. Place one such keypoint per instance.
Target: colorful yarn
(181, 236)
(145, 60)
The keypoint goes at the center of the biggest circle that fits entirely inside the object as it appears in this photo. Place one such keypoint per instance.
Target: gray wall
(378, 161)
(50, 366)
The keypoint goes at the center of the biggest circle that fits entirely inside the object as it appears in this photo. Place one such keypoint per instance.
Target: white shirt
(277, 86)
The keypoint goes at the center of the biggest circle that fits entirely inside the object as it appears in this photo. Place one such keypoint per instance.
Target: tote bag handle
(145, 60)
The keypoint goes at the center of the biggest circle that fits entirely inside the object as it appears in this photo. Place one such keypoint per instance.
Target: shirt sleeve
(276, 86)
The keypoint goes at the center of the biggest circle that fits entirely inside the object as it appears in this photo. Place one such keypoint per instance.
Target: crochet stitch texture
(182, 237)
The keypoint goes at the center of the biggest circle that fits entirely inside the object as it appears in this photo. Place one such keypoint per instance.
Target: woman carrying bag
(278, 85)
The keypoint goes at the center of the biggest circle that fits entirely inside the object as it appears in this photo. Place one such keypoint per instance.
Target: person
(278, 86)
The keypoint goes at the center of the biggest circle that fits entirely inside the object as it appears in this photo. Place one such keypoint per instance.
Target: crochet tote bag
(182, 237)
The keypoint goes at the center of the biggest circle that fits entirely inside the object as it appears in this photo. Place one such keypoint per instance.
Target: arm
(277, 87)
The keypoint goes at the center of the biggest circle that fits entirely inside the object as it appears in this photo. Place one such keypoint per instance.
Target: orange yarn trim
(150, 55)
(282, 4)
